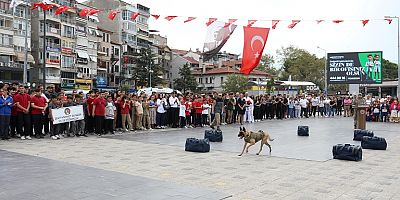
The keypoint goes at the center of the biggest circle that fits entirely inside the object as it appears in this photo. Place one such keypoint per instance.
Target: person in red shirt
(90, 117)
(39, 106)
(22, 102)
(99, 111)
(126, 118)
(197, 104)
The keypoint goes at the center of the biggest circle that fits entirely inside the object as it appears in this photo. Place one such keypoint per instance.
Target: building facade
(15, 25)
(163, 56)
(131, 34)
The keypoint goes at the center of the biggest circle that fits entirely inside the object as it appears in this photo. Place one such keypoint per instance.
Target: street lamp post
(325, 71)
(398, 52)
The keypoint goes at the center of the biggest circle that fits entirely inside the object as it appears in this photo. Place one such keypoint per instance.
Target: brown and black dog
(252, 138)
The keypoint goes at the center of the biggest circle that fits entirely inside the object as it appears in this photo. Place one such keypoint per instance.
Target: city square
(202, 100)
(154, 165)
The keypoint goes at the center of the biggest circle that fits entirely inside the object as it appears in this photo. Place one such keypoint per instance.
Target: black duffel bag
(197, 145)
(376, 143)
(347, 152)
(359, 134)
(303, 131)
(213, 135)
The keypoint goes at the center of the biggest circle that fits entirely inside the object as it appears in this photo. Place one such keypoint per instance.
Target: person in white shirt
(327, 105)
(182, 113)
(161, 112)
(321, 107)
(304, 105)
(249, 105)
(204, 114)
(297, 108)
(174, 110)
(314, 104)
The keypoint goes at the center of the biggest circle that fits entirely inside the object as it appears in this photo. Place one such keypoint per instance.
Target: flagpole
(25, 75)
(44, 48)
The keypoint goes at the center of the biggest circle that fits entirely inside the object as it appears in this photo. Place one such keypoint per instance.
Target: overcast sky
(344, 37)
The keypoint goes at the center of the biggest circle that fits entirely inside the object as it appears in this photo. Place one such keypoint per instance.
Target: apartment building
(104, 76)
(163, 56)
(13, 30)
(131, 34)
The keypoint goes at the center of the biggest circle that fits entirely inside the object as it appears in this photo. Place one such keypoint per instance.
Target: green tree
(389, 70)
(270, 85)
(186, 81)
(235, 83)
(145, 68)
(266, 62)
(302, 65)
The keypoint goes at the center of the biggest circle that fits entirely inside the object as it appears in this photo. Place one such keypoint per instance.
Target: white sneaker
(28, 138)
(23, 138)
(150, 129)
(54, 137)
(126, 130)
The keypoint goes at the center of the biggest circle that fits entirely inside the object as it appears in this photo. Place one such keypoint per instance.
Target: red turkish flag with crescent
(112, 14)
(254, 43)
(61, 9)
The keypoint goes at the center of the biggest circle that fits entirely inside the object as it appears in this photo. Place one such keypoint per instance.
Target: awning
(82, 54)
(7, 52)
(21, 58)
(85, 81)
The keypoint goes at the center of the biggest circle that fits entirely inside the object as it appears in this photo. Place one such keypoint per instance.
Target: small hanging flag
(231, 21)
(275, 23)
(48, 6)
(37, 5)
(169, 18)
(189, 19)
(365, 22)
(210, 21)
(84, 12)
(319, 21)
(156, 16)
(113, 14)
(61, 9)
(389, 20)
(293, 24)
(134, 15)
(93, 12)
(337, 21)
(251, 22)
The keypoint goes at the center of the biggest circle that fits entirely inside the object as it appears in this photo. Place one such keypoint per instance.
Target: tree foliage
(389, 70)
(235, 83)
(186, 81)
(144, 65)
(302, 65)
(266, 62)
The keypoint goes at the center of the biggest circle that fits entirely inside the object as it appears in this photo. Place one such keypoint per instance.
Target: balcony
(8, 12)
(52, 32)
(69, 69)
(49, 17)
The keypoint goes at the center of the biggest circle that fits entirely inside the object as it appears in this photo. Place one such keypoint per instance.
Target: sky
(349, 36)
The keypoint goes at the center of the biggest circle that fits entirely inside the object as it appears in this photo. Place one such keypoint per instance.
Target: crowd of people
(28, 113)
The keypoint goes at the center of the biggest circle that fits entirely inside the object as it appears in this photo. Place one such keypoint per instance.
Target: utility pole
(25, 75)
(325, 72)
(398, 52)
(44, 48)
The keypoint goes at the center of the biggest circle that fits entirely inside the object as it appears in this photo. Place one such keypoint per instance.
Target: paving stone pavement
(284, 175)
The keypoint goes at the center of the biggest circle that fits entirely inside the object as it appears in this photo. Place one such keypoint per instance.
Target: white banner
(67, 114)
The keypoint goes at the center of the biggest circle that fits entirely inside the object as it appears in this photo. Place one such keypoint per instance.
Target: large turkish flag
(254, 43)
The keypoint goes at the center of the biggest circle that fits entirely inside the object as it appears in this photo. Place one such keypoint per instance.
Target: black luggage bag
(376, 143)
(303, 131)
(359, 134)
(197, 145)
(347, 152)
(213, 135)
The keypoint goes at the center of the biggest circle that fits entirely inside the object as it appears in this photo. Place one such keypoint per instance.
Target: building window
(116, 68)
(69, 31)
(206, 80)
(107, 52)
(201, 80)
(211, 79)
(67, 61)
(116, 51)
(108, 37)
(6, 40)
(222, 79)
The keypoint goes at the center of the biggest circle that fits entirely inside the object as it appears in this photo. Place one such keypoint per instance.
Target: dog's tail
(271, 139)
